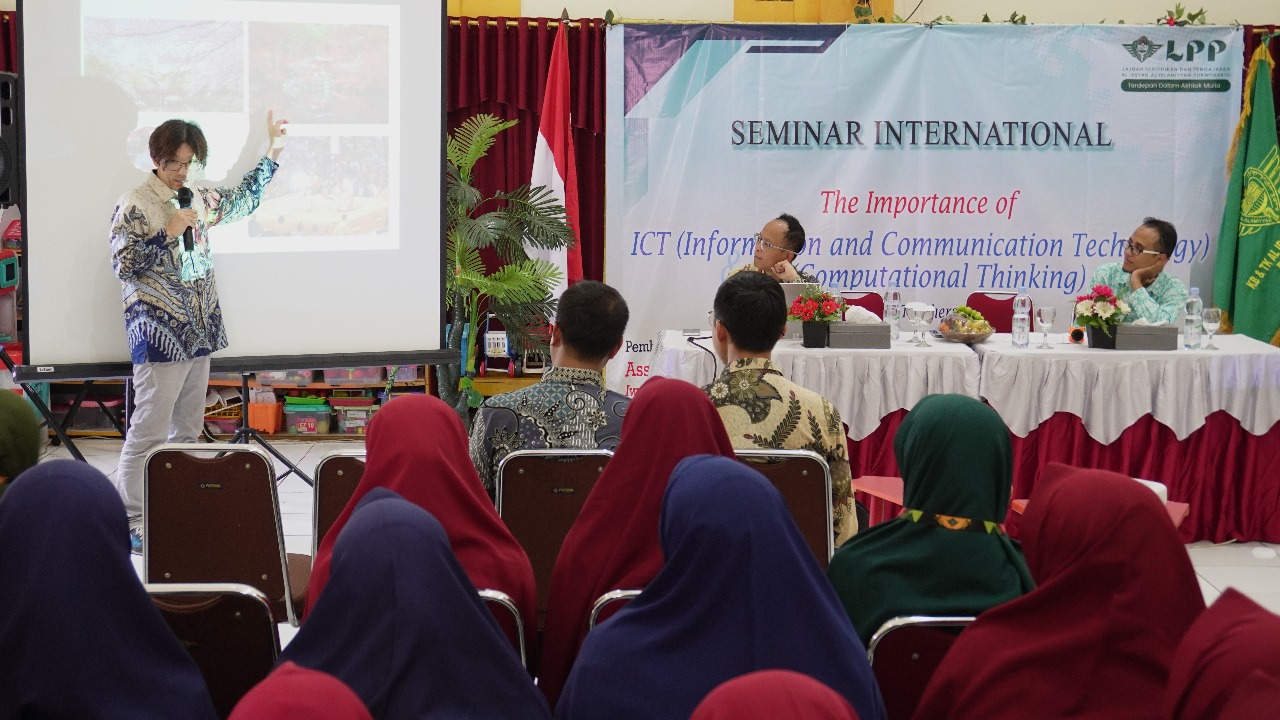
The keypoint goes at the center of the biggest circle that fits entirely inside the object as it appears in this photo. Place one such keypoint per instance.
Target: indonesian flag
(553, 160)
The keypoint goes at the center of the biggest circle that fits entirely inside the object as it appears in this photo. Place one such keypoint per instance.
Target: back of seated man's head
(753, 310)
(591, 317)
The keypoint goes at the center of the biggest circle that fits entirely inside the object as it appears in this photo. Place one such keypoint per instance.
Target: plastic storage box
(265, 417)
(286, 377)
(405, 373)
(307, 419)
(354, 419)
(353, 376)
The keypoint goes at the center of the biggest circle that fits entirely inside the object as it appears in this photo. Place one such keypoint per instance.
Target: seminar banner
(945, 159)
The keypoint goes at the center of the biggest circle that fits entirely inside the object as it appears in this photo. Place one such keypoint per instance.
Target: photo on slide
(324, 73)
(170, 65)
(331, 186)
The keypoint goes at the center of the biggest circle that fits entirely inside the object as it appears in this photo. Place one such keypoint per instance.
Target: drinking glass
(920, 317)
(1211, 319)
(1045, 315)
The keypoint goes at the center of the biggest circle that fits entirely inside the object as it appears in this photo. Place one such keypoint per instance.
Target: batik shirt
(762, 409)
(171, 309)
(1160, 302)
(569, 408)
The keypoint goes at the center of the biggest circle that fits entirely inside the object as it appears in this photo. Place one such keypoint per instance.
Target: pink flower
(1104, 291)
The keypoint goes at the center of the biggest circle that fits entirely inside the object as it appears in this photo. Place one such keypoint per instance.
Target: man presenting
(160, 253)
(1152, 294)
(778, 244)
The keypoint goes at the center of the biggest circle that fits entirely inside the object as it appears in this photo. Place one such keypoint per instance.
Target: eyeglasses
(174, 165)
(711, 319)
(1134, 247)
(765, 243)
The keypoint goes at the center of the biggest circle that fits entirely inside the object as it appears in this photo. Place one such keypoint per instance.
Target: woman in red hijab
(416, 447)
(1213, 666)
(292, 692)
(1115, 594)
(771, 694)
(614, 542)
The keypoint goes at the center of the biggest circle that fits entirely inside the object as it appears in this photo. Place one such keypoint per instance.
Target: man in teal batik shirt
(1152, 294)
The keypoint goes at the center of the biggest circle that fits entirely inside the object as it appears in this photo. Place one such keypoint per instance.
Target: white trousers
(168, 406)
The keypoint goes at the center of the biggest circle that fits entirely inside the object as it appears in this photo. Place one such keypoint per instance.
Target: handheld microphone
(184, 202)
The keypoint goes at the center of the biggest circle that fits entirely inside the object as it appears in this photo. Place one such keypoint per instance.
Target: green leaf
(472, 141)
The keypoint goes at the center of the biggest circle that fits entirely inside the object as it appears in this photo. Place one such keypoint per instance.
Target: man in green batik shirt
(1152, 294)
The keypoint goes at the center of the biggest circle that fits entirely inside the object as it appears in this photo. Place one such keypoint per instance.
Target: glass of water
(1045, 315)
(920, 318)
(1211, 319)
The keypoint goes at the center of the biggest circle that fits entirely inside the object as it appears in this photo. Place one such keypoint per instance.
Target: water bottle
(1022, 319)
(893, 310)
(1191, 325)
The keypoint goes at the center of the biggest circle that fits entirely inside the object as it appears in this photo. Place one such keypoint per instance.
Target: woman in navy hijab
(400, 624)
(79, 638)
(740, 592)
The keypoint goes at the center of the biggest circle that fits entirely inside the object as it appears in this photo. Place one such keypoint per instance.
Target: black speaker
(8, 139)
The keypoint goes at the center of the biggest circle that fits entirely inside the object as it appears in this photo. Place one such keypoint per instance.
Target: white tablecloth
(1109, 390)
(864, 385)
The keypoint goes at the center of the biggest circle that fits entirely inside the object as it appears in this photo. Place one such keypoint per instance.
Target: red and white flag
(553, 160)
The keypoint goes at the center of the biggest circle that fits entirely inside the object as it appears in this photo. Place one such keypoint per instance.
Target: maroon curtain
(499, 66)
(1252, 38)
(9, 42)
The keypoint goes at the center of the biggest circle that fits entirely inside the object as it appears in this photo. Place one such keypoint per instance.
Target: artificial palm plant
(518, 292)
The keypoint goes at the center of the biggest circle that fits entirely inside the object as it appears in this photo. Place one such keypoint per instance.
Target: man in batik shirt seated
(760, 407)
(569, 407)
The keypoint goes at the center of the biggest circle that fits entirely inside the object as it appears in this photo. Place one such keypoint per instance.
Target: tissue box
(874, 336)
(1146, 337)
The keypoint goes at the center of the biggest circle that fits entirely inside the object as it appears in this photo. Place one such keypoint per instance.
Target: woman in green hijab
(946, 554)
(19, 437)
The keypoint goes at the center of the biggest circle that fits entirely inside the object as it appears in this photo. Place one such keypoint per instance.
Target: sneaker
(135, 541)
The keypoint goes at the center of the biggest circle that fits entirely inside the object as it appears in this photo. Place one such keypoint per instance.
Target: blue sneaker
(135, 541)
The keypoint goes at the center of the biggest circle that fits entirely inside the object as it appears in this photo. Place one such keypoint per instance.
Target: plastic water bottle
(893, 310)
(1022, 319)
(1191, 324)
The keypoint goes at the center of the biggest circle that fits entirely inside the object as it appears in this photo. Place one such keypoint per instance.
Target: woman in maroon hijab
(772, 694)
(292, 692)
(614, 542)
(1115, 594)
(416, 447)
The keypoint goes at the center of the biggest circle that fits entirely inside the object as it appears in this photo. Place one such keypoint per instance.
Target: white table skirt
(1109, 390)
(864, 385)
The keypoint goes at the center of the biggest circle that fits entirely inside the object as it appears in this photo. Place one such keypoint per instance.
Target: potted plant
(816, 309)
(518, 292)
(1099, 311)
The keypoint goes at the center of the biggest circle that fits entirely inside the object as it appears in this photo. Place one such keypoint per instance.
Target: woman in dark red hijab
(614, 542)
(773, 694)
(1214, 665)
(416, 447)
(1115, 594)
(292, 692)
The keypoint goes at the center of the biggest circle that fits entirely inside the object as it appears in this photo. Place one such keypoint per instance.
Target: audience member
(760, 407)
(1213, 666)
(402, 625)
(1152, 294)
(946, 554)
(79, 636)
(296, 693)
(771, 695)
(740, 592)
(1115, 594)
(569, 407)
(418, 449)
(614, 542)
(777, 246)
(19, 437)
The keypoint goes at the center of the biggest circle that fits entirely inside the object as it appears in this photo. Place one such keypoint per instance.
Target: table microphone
(184, 202)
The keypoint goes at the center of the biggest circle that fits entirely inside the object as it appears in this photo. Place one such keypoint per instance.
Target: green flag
(1246, 279)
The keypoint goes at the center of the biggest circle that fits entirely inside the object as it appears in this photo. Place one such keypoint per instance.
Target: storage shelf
(316, 386)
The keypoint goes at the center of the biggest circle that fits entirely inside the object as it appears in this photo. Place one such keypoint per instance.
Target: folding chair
(501, 604)
(211, 515)
(803, 478)
(613, 597)
(870, 301)
(539, 494)
(228, 630)
(996, 307)
(905, 652)
(336, 477)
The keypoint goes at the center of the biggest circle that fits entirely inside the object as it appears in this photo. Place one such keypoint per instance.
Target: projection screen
(343, 255)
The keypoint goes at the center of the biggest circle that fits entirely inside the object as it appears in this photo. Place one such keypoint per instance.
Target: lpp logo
(1190, 51)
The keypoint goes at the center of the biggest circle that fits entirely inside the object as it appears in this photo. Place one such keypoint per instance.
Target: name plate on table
(873, 336)
(1146, 337)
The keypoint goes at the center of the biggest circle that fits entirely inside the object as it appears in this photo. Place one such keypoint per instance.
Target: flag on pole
(1246, 279)
(553, 160)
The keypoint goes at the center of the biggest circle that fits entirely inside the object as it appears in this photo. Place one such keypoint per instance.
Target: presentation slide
(343, 254)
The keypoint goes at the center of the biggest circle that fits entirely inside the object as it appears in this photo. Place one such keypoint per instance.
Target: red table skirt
(1229, 477)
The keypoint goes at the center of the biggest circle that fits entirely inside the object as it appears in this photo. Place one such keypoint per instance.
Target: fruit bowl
(960, 327)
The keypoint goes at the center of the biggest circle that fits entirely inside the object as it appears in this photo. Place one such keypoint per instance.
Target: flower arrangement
(816, 306)
(1100, 308)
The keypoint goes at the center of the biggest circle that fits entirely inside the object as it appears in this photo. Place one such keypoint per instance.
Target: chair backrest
(539, 494)
(502, 606)
(804, 479)
(904, 654)
(211, 515)
(336, 477)
(997, 308)
(228, 630)
(607, 604)
(871, 301)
